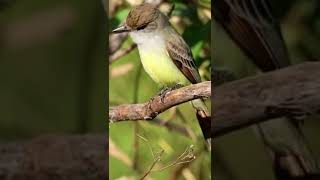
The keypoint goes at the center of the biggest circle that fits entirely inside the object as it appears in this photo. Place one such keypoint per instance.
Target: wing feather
(252, 26)
(181, 55)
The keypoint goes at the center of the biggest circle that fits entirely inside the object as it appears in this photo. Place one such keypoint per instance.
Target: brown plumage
(182, 58)
(142, 15)
(251, 25)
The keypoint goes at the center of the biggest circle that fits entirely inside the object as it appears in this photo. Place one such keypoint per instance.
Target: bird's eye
(142, 27)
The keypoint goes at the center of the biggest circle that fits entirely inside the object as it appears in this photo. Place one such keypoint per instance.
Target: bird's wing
(181, 55)
(252, 26)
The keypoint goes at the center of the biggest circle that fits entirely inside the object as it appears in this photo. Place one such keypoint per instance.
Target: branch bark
(81, 157)
(292, 92)
(149, 110)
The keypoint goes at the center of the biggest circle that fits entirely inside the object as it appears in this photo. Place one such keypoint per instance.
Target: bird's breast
(157, 63)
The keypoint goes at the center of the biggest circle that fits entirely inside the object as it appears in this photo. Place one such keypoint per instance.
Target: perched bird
(254, 29)
(164, 54)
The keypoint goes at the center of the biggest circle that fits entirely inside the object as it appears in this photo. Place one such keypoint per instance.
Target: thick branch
(292, 92)
(82, 157)
(150, 110)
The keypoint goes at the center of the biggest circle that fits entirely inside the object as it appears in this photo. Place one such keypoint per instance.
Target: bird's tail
(292, 157)
(204, 118)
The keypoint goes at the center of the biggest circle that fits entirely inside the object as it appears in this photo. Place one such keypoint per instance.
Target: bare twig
(115, 41)
(177, 172)
(172, 127)
(156, 157)
(155, 161)
(186, 157)
(171, 10)
(121, 52)
(151, 109)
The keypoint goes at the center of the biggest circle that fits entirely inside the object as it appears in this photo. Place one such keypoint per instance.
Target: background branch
(172, 127)
(291, 92)
(120, 53)
(81, 157)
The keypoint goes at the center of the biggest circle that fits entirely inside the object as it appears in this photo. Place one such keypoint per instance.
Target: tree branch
(292, 92)
(82, 157)
(120, 53)
(151, 109)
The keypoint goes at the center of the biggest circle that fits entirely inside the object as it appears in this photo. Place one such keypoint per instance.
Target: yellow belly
(162, 69)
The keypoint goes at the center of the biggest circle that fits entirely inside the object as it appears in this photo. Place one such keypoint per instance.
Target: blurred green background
(52, 68)
(130, 156)
(240, 155)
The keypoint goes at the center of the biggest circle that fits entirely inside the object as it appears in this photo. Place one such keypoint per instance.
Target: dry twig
(186, 157)
(172, 127)
(120, 53)
(115, 42)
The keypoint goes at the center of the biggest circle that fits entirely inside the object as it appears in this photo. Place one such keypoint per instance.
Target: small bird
(254, 29)
(164, 54)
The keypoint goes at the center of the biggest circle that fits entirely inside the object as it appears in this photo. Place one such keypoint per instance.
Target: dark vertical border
(105, 4)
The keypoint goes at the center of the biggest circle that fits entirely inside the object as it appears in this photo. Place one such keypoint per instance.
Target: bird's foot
(177, 86)
(163, 92)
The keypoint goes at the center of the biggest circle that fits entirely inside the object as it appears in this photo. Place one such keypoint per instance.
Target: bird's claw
(163, 92)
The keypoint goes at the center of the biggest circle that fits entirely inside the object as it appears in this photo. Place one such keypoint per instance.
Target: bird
(164, 54)
(253, 27)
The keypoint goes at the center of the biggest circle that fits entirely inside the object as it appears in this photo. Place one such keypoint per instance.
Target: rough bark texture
(150, 110)
(292, 92)
(55, 157)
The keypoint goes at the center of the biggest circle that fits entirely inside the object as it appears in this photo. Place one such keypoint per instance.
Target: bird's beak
(122, 28)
